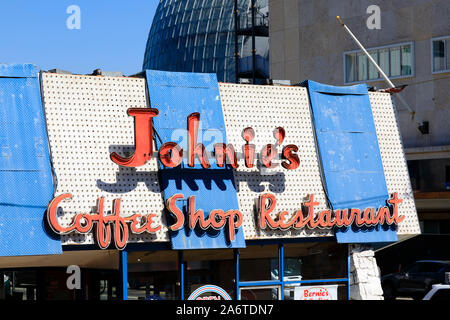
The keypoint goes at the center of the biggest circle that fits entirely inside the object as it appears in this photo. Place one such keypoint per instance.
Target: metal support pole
(348, 272)
(236, 40)
(13, 283)
(2, 286)
(181, 266)
(236, 263)
(124, 271)
(389, 82)
(253, 42)
(281, 268)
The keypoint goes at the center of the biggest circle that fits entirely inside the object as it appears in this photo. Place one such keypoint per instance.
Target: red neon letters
(325, 219)
(114, 226)
(143, 134)
(84, 222)
(118, 227)
(217, 219)
(194, 148)
(171, 154)
(249, 149)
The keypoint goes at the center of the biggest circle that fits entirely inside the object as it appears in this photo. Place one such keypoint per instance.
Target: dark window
(439, 55)
(430, 267)
(414, 174)
(431, 227)
(413, 268)
(447, 177)
(444, 227)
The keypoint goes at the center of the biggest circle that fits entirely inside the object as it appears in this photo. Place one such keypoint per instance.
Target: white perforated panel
(265, 108)
(87, 120)
(394, 162)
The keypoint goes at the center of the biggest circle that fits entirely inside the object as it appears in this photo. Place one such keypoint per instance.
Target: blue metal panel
(258, 283)
(281, 268)
(236, 273)
(176, 95)
(317, 281)
(181, 270)
(18, 70)
(351, 162)
(25, 173)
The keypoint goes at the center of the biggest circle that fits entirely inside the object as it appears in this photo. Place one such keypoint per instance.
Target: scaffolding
(258, 27)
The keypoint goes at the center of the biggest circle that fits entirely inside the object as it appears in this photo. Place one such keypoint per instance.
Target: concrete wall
(307, 42)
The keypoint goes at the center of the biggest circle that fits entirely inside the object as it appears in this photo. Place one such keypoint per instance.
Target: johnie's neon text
(324, 219)
(171, 154)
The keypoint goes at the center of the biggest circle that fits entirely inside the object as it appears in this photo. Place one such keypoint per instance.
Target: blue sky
(112, 36)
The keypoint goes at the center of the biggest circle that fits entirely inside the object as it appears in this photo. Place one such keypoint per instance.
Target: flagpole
(402, 100)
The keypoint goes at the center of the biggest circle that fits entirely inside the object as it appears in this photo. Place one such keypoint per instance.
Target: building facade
(410, 41)
(247, 211)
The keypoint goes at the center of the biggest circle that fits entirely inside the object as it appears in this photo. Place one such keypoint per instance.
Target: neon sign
(106, 225)
(120, 226)
(114, 227)
(209, 288)
(216, 220)
(326, 219)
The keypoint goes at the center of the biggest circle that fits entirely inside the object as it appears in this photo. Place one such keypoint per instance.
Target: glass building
(198, 36)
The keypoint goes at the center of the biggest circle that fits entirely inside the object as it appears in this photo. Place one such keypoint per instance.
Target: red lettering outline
(143, 133)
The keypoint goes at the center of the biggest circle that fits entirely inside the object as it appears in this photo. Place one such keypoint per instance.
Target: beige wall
(307, 42)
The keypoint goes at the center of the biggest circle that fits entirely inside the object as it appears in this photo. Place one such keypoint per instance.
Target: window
(153, 275)
(394, 60)
(440, 53)
(304, 266)
(430, 267)
(424, 267)
(265, 257)
(413, 268)
(217, 267)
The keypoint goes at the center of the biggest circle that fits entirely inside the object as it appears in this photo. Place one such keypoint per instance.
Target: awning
(25, 172)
